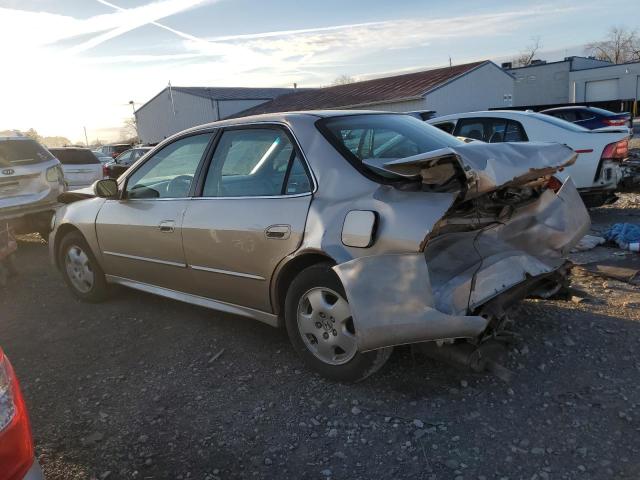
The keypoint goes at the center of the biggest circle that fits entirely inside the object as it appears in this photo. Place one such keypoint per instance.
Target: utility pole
(86, 140)
(135, 120)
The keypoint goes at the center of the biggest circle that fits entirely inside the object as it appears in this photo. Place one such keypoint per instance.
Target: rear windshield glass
(559, 122)
(74, 156)
(22, 152)
(377, 138)
(603, 112)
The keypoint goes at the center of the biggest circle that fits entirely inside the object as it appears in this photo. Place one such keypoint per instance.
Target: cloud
(64, 84)
(39, 29)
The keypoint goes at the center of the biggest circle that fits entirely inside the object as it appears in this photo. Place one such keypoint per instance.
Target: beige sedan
(358, 231)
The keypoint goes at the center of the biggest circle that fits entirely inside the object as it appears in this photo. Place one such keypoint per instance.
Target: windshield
(72, 156)
(383, 137)
(22, 152)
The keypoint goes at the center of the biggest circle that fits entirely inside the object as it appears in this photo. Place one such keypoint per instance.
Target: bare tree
(54, 142)
(621, 45)
(129, 131)
(527, 55)
(32, 133)
(343, 80)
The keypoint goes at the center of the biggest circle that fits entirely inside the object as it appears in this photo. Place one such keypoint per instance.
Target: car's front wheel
(321, 328)
(80, 270)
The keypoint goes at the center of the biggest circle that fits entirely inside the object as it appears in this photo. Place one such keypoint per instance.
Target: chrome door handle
(167, 226)
(278, 232)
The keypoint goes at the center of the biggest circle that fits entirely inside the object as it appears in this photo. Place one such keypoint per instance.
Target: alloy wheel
(78, 267)
(326, 326)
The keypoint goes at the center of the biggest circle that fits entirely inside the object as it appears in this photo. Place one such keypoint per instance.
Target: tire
(80, 269)
(318, 334)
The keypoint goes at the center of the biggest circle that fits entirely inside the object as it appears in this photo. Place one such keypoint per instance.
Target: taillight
(105, 171)
(554, 184)
(615, 122)
(616, 151)
(16, 444)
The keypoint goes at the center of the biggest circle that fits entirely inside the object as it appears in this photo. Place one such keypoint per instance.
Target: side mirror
(106, 188)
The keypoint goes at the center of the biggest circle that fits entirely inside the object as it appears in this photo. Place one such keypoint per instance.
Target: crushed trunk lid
(486, 167)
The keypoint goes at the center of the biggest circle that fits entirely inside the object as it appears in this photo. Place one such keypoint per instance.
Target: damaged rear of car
(498, 227)
(357, 231)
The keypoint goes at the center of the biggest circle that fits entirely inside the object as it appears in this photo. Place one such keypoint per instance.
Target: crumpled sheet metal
(408, 298)
(490, 165)
(533, 242)
(392, 303)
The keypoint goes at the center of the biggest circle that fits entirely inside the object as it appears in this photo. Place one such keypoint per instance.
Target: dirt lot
(142, 387)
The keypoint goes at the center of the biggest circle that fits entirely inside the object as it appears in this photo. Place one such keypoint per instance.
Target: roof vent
(506, 65)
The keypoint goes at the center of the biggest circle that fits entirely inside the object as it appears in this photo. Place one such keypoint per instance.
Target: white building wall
(481, 89)
(158, 119)
(486, 87)
(627, 76)
(545, 84)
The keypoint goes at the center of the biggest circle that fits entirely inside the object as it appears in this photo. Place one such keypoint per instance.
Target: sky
(70, 64)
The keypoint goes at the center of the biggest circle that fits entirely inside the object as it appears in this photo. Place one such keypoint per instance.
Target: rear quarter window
(22, 152)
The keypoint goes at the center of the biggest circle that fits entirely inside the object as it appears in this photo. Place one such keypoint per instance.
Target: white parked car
(597, 171)
(81, 167)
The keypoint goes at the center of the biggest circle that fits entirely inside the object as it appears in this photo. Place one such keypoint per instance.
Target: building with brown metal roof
(453, 89)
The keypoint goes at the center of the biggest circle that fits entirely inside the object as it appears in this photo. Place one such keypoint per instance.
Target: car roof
(283, 117)
(70, 148)
(486, 113)
(557, 109)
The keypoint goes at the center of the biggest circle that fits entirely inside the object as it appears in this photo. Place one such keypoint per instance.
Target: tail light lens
(554, 184)
(616, 151)
(615, 122)
(16, 444)
(105, 171)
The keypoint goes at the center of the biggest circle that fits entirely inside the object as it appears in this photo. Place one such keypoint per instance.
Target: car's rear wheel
(321, 328)
(80, 270)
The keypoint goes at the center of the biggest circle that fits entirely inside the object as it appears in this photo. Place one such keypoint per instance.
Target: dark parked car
(115, 149)
(590, 117)
(123, 161)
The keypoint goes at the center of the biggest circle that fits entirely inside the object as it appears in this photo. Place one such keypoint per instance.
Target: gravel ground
(143, 387)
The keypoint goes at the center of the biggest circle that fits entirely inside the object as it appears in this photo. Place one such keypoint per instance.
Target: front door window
(170, 172)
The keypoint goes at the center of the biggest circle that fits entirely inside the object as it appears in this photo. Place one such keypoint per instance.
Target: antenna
(450, 64)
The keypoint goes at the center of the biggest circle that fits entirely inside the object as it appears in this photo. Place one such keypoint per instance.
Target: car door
(120, 164)
(251, 213)
(140, 233)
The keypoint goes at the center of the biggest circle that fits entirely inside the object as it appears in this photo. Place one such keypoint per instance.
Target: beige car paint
(233, 245)
(406, 220)
(141, 239)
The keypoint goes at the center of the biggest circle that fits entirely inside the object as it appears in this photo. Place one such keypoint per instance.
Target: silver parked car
(358, 231)
(30, 181)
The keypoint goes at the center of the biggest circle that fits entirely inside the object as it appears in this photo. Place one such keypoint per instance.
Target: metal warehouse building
(177, 108)
(458, 88)
(577, 80)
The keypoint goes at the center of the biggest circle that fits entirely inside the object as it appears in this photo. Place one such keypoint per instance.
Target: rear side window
(22, 152)
(255, 162)
(471, 128)
(491, 130)
(445, 126)
(75, 156)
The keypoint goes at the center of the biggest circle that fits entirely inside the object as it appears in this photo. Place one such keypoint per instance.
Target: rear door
(251, 213)
(140, 235)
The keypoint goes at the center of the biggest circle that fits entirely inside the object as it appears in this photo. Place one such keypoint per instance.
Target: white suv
(30, 181)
